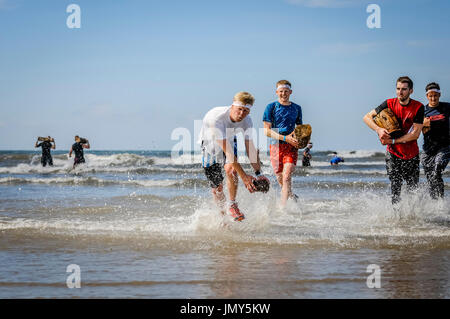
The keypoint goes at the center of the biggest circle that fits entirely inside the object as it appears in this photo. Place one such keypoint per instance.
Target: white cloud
(325, 3)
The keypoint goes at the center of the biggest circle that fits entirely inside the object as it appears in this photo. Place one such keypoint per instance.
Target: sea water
(142, 224)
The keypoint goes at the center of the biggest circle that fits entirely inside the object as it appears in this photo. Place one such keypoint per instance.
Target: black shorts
(399, 169)
(46, 160)
(305, 161)
(78, 160)
(214, 174)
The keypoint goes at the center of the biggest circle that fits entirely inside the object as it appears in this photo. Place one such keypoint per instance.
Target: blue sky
(136, 69)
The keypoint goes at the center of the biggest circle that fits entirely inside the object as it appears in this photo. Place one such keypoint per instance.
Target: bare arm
(87, 145)
(70, 152)
(290, 138)
(253, 155)
(382, 132)
(368, 119)
(411, 136)
(54, 144)
(246, 179)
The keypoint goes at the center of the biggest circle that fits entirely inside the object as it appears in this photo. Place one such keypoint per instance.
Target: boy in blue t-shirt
(280, 119)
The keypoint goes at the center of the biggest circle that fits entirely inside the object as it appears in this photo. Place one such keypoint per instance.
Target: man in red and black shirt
(402, 156)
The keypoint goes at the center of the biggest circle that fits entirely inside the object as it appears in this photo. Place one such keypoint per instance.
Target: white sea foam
(77, 180)
(347, 163)
(114, 163)
(356, 153)
(343, 170)
(360, 218)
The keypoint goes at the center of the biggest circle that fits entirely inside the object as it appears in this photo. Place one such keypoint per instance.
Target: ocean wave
(364, 164)
(352, 154)
(16, 157)
(349, 221)
(128, 163)
(121, 159)
(190, 183)
(94, 181)
(87, 168)
(338, 171)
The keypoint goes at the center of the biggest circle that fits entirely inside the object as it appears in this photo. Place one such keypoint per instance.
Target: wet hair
(432, 85)
(406, 79)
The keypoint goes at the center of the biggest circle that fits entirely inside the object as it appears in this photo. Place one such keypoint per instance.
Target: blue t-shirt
(336, 160)
(284, 118)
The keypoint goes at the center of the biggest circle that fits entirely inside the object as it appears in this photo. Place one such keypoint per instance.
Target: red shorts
(281, 154)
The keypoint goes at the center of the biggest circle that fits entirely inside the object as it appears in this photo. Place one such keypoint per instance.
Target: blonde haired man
(219, 149)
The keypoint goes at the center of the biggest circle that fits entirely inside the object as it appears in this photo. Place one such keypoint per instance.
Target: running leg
(411, 173)
(286, 189)
(442, 160)
(232, 181)
(394, 172)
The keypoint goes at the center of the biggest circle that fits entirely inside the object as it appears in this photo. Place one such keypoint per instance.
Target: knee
(229, 171)
(436, 177)
(439, 169)
(396, 183)
(288, 171)
(218, 190)
(287, 178)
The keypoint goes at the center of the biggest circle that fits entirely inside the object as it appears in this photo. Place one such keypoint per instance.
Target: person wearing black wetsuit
(436, 140)
(78, 147)
(307, 155)
(46, 154)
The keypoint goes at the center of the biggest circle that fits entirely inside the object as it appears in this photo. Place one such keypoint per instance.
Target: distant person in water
(307, 155)
(436, 140)
(78, 147)
(46, 154)
(336, 159)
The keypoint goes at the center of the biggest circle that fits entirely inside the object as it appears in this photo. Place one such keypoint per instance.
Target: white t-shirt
(217, 125)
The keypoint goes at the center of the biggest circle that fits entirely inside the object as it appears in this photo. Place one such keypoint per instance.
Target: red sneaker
(236, 213)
